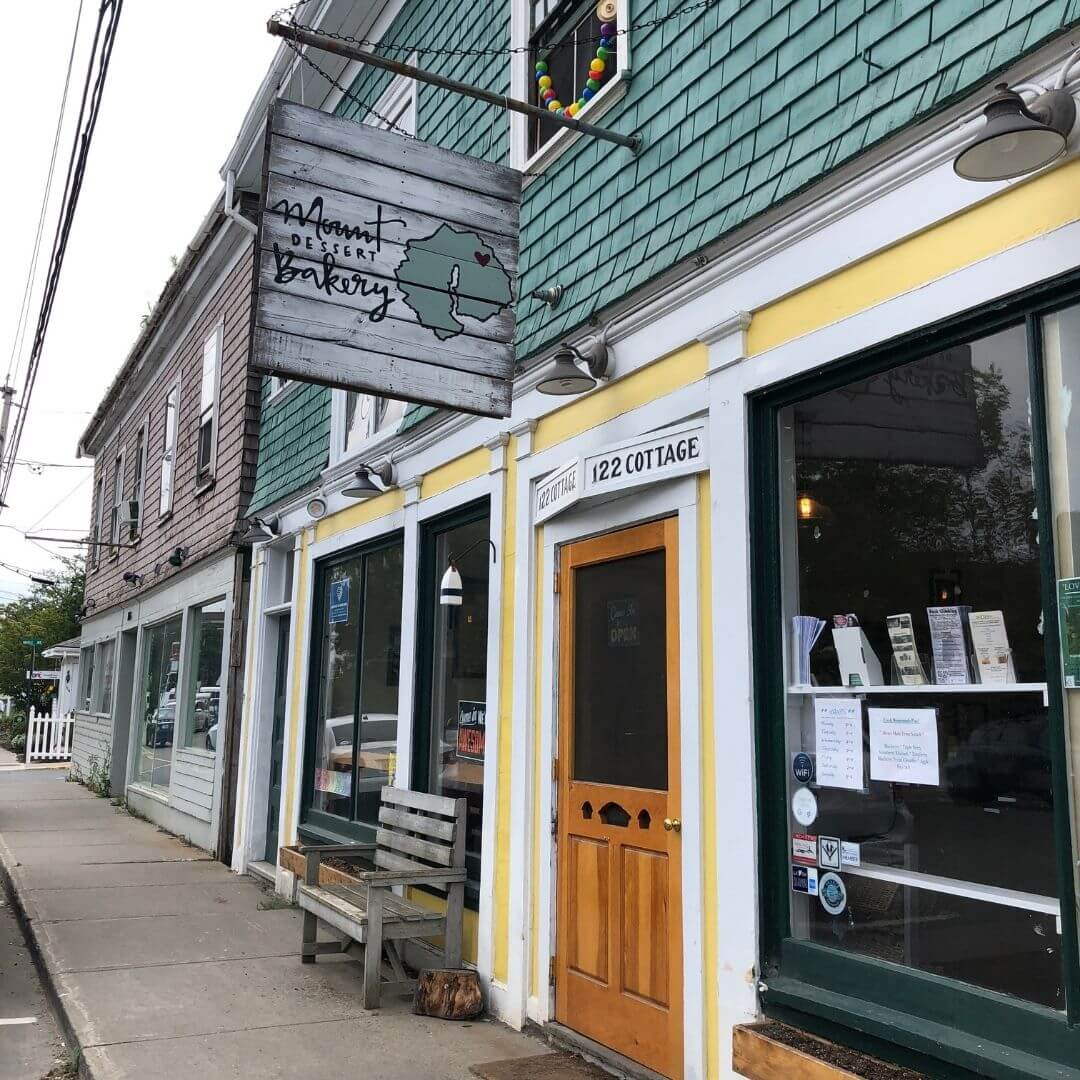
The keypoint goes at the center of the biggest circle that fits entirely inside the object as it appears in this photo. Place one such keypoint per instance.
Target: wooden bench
(420, 840)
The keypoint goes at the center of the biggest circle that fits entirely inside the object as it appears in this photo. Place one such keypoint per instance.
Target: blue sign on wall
(339, 600)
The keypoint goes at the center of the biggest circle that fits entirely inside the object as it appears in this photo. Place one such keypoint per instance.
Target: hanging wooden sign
(384, 264)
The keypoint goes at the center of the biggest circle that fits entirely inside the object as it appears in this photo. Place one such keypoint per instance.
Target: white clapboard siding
(191, 788)
(341, 202)
(92, 739)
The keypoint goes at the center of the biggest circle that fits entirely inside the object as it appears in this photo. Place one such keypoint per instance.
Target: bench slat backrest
(419, 832)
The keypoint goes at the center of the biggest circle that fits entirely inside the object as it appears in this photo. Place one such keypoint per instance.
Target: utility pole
(7, 392)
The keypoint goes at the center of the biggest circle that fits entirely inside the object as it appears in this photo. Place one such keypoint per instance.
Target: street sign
(33, 643)
(43, 676)
(384, 264)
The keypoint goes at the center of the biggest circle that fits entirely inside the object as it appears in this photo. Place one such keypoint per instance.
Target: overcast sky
(181, 79)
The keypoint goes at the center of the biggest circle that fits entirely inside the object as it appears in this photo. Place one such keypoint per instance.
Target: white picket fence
(48, 738)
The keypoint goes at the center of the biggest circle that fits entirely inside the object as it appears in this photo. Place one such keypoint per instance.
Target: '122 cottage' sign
(384, 264)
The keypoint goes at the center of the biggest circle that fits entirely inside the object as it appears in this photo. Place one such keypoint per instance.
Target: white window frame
(208, 411)
(99, 676)
(398, 104)
(521, 78)
(98, 521)
(168, 451)
(119, 465)
(138, 489)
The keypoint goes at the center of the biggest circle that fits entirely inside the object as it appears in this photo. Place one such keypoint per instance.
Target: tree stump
(448, 993)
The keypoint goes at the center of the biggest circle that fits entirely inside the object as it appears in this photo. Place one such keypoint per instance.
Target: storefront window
(452, 705)
(920, 796)
(103, 667)
(354, 751)
(161, 674)
(86, 677)
(203, 698)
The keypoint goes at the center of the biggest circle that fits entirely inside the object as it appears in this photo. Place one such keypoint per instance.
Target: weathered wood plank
(413, 845)
(396, 151)
(429, 826)
(338, 365)
(420, 800)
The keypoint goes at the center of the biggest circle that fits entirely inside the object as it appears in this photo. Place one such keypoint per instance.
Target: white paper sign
(838, 733)
(903, 746)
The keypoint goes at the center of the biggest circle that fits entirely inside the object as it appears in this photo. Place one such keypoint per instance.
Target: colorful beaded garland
(545, 89)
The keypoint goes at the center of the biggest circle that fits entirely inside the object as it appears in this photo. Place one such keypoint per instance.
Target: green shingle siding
(294, 442)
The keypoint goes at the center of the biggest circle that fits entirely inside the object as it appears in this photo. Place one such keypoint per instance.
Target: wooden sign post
(385, 265)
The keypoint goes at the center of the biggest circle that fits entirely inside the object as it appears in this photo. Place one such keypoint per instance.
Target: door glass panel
(458, 719)
(620, 673)
(161, 676)
(202, 702)
(333, 778)
(380, 652)
(910, 548)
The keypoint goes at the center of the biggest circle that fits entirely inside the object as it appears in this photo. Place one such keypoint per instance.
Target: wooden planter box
(289, 858)
(759, 1056)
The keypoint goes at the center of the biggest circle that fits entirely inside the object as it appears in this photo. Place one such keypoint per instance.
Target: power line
(89, 107)
(24, 309)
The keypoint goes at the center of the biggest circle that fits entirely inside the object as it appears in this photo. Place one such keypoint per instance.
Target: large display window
(450, 734)
(353, 710)
(160, 683)
(913, 732)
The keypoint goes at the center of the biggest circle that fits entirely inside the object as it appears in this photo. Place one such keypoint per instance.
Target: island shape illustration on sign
(385, 265)
(450, 275)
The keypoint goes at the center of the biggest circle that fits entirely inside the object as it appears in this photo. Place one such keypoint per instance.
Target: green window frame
(315, 825)
(915, 1018)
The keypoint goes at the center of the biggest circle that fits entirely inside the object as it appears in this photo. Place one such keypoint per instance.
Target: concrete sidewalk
(166, 964)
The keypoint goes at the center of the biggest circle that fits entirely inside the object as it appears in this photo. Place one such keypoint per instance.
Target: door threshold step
(264, 870)
(563, 1038)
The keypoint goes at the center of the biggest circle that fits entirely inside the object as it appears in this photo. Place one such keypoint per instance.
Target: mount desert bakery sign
(384, 264)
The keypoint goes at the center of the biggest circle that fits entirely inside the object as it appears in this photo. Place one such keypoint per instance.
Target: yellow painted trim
(459, 471)
(1019, 214)
(471, 922)
(710, 883)
(299, 641)
(360, 514)
(646, 384)
(538, 773)
(501, 920)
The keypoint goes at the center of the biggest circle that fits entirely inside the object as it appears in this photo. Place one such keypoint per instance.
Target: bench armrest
(335, 849)
(387, 879)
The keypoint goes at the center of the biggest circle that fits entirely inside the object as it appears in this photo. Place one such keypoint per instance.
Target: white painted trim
(459, 495)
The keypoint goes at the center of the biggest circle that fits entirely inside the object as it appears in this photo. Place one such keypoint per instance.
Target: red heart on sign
(481, 258)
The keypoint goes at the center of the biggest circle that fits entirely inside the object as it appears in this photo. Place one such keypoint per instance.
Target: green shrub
(18, 744)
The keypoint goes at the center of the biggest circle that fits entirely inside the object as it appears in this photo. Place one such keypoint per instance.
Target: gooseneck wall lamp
(259, 530)
(363, 486)
(566, 377)
(450, 588)
(1021, 136)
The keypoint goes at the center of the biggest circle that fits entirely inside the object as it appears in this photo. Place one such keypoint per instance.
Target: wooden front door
(618, 958)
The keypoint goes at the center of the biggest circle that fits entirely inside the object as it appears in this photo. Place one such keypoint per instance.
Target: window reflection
(907, 491)
(161, 673)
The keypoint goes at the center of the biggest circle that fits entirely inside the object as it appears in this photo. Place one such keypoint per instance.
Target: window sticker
(339, 600)
(832, 893)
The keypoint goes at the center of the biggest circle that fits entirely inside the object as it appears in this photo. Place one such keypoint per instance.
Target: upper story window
(138, 482)
(575, 54)
(366, 415)
(168, 449)
(95, 526)
(116, 511)
(211, 365)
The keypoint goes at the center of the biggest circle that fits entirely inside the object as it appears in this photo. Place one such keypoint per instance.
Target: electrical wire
(89, 108)
(24, 309)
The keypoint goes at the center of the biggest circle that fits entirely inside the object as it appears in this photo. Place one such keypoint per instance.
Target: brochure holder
(858, 662)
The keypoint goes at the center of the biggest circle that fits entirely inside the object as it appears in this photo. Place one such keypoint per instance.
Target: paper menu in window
(904, 746)
(839, 740)
(990, 644)
(949, 644)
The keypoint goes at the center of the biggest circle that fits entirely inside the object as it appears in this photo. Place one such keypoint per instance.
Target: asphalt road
(30, 1041)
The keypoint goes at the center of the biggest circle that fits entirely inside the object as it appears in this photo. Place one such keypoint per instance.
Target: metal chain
(348, 93)
(395, 46)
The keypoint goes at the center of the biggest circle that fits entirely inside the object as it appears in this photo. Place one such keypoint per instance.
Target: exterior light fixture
(132, 578)
(316, 507)
(565, 377)
(363, 486)
(260, 530)
(450, 588)
(550, 296)
(1019, 137)
(178, 556)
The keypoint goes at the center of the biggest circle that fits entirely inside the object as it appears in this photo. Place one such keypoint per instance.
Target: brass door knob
(672, 825)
